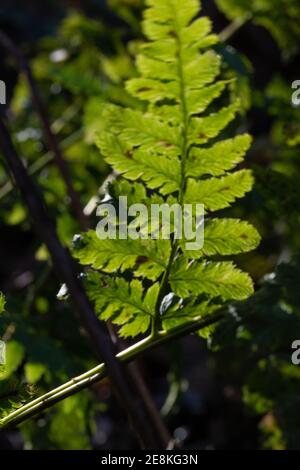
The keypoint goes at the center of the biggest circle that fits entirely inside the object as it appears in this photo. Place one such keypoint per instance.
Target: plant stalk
(99, 372)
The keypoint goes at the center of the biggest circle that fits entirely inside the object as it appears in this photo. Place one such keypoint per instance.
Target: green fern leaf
(149, 257)
(218, 193)
(13, 395)
(205, 128)
(151, 168)
(216, 160)
(229, 237)
(136, 129)
(220, 279)
(136, 193)
(225, 237)
(125, 303)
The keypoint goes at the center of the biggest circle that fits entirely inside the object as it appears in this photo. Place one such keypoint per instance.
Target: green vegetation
(147, 100)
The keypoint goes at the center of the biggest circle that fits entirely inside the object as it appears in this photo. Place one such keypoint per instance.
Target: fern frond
(168, 153)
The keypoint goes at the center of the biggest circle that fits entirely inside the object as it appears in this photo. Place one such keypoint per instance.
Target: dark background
(200, 392)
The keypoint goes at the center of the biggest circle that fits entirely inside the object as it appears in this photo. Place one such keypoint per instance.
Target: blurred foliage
(130, 11)
(280, 17)
(254, 345)
(81, 54)
(84, 61)
(260, 333)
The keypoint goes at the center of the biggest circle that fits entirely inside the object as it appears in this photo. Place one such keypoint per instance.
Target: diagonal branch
(233, 27)
(99, 372)
(67, 271)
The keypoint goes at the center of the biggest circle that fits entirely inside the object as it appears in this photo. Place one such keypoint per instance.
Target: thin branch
(98, 373)
(42, 162)
(142, 390)
(233, 27)
(153, 411)
(50, 137)
(67, 271)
